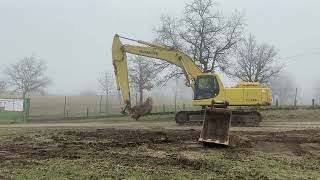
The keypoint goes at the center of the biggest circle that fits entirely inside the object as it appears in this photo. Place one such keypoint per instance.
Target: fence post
(100, 104)
(175, 103)
(277, 104)
(26, 109)
(65, 105)
(295, 98)
(313, 105)
(163, 108)
(67, 113)
(184, 107)
(87, 112)
(136, 99)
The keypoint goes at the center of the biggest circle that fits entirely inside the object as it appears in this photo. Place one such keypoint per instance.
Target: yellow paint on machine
(240, 96)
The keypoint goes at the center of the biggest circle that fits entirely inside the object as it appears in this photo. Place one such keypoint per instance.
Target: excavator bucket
(137, 111)
(215, 128)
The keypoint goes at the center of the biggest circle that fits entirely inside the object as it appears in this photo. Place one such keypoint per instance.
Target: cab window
(206, 87)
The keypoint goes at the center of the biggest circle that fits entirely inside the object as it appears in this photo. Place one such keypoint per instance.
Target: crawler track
(239, 118)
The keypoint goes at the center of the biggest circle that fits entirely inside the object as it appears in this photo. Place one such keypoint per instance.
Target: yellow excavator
(209, 91)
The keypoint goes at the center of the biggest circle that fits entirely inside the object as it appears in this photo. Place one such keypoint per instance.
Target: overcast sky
(74, 36)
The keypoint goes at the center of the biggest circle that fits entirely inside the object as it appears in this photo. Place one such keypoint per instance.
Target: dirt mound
(77, 144)
(74, 144)
(295, 136)
(293, 142)
(132, 136)
(239, 141)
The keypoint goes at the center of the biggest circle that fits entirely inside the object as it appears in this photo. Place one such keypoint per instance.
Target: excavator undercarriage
(239, 118)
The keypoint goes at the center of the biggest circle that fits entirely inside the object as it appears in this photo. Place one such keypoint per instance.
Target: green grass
(10, 117)
(215, 166)
(81, 169)
(292, 115)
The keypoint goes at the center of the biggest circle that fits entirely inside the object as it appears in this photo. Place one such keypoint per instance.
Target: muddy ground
(45, 152)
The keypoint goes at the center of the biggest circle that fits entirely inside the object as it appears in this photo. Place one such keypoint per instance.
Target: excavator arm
(166, 53)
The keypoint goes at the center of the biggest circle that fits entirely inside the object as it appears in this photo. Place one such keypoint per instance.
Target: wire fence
(59, 107)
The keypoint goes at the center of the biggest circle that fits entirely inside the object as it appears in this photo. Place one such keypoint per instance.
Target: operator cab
(206, 87)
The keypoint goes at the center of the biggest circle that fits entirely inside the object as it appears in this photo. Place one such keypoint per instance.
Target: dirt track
(269, 126)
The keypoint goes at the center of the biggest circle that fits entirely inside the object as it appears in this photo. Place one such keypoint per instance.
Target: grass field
(285, 146)
(297, 115)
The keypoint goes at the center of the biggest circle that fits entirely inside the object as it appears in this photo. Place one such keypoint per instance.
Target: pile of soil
(103, 143)
(137, 111)
(239, 141)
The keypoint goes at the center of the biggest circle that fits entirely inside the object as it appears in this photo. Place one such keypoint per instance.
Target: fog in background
(74, 37)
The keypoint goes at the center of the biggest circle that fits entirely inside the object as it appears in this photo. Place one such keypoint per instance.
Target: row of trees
(216, 43)
(29, 76)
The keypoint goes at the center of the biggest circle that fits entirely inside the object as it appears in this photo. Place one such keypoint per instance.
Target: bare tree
(142, 75)
(203, 33)
(283, 88)
(3, 86)
(106, 84)
(28, 75)
(254, 62)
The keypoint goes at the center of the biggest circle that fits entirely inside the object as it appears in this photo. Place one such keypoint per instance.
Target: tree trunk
(24, 94)
(141, 96)
(107, 102)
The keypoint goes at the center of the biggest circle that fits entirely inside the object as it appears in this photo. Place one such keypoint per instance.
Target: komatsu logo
(148, 52)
